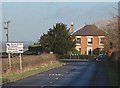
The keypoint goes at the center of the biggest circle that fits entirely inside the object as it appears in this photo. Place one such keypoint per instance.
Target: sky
(29, 20)
(60, 0)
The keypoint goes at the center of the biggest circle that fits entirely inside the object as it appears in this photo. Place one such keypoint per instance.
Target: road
(75, 73)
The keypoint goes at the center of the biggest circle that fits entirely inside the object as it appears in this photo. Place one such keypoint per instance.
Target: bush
(114, 60)
(35, 49)
(5, 80)
(112, 66)
(74, 51)
(30, 53)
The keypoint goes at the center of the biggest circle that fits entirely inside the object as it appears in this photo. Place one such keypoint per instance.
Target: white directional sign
(14, 47)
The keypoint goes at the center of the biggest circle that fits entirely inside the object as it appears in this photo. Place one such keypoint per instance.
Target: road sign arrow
(20, 50)
(8, 45)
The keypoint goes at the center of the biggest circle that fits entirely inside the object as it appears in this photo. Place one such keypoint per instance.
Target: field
(32, 64)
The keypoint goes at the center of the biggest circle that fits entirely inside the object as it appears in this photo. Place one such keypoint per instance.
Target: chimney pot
(72, 28)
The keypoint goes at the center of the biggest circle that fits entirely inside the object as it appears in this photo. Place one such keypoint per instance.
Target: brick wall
(84, 45)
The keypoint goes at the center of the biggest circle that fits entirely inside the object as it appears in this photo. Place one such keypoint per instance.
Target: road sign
(14, 47)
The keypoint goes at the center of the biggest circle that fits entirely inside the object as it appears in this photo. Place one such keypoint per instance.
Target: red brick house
(89, 39)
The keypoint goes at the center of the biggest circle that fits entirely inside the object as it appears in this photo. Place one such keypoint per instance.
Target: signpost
(12, 47)
(15, 48)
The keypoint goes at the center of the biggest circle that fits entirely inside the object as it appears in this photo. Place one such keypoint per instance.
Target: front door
(89, 50)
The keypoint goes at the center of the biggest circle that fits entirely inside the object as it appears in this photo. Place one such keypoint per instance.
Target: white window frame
(80, 40)
(100, 39)
(77, 47)
(89, 37)
(88, 50)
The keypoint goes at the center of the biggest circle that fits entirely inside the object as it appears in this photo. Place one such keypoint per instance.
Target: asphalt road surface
(75, 73)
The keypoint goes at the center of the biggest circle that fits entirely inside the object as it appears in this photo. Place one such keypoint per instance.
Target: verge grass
(16, 76)
(32, 64)
(112, 76)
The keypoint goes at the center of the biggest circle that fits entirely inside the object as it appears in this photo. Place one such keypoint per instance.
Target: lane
(82, 73)
(73, 73)
(100, 76)
(54, 76)
(85, 78)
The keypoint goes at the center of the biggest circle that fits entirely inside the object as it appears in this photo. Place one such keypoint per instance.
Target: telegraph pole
(6, 27)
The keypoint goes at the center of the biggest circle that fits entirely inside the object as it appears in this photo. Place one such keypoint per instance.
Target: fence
(77, 56)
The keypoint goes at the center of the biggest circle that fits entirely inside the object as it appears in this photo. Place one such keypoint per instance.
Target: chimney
(72, 28)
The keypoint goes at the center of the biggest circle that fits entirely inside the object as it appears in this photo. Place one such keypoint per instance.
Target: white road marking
(50, 82)
(57, 78)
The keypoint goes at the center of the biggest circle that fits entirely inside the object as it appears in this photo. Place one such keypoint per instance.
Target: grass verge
(112, 76)
(16, 76)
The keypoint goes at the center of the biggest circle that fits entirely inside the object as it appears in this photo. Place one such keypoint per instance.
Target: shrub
(74, 51)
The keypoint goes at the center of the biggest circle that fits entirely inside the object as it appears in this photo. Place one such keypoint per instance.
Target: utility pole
(6, 27)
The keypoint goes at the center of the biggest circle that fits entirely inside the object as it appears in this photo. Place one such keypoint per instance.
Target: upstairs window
(101, 41)
(90, 40)
(78, 40)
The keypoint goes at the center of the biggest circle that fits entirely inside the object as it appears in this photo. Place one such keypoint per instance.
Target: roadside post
(6, 27)
(78, 56)
(20, 62)
(70, 55)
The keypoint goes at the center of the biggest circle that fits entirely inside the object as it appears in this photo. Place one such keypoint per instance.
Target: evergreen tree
(57, 39)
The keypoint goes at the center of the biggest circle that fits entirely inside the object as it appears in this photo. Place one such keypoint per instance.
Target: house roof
(89, 30)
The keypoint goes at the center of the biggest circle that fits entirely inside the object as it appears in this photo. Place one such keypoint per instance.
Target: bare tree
(112, 29)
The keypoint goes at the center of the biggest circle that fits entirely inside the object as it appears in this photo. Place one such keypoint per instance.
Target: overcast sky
(29, 20)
